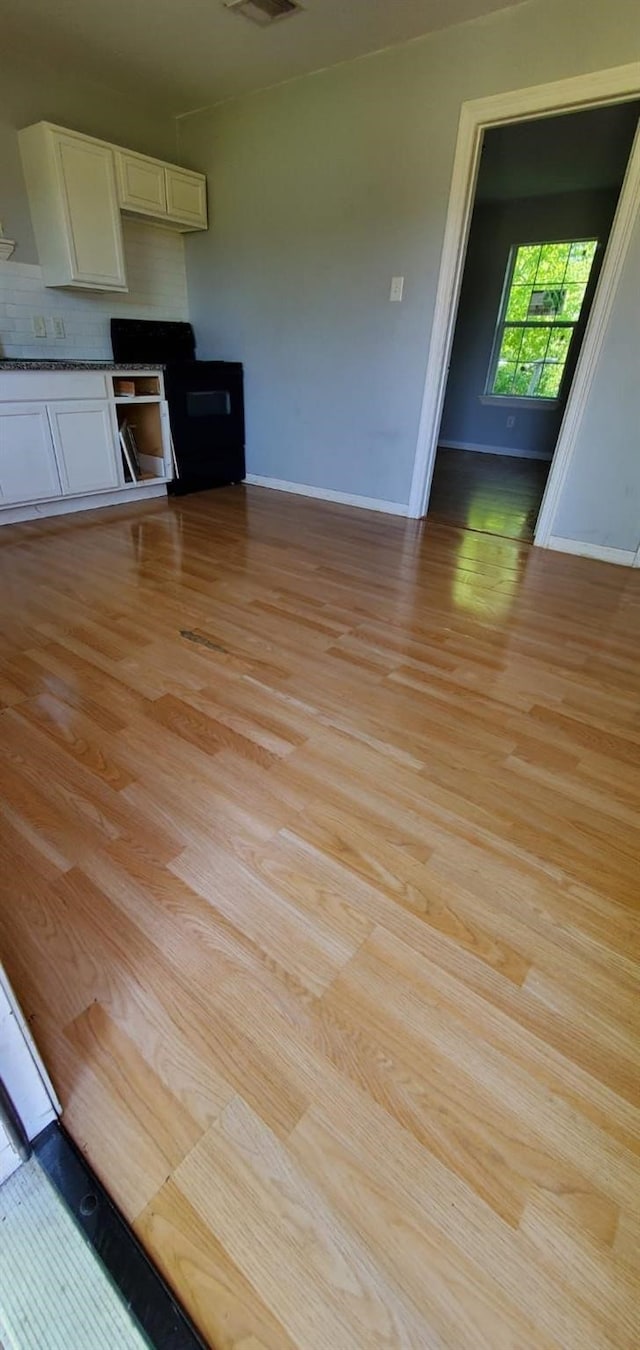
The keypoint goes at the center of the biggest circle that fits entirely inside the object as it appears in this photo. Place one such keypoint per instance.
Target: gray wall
(30, 92)
(495, 228)
(324, 188)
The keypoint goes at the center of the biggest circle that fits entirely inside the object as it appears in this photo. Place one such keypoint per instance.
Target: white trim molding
(64, 506)
(518, 401)
(328, 495)
(625, 557)
(510, 451)
(616, 85)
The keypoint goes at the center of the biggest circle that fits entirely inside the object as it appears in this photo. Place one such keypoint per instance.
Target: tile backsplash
(157, 290)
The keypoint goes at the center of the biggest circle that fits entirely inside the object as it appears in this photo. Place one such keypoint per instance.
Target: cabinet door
(85, 438)
(141, 184)
(90, 203)
(28, 470)
(187, 197)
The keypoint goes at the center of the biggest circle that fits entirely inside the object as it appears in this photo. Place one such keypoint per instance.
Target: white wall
(324, 188)
(24, 1077)
(600, 503)
(155, 265)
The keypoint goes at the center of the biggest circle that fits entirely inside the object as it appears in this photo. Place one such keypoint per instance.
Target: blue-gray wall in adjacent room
(496, 227)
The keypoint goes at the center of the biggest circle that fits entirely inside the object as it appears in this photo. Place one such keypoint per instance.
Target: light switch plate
(397, 287)
(58, 327)
(39, 325)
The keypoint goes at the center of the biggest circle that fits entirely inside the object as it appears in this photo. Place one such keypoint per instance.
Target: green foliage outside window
(542, 305)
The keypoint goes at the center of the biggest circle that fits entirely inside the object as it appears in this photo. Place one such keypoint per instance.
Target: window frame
(512, 400)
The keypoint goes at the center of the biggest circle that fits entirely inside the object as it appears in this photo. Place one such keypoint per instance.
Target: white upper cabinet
(74, 207)
(187, 197)
(78, 187)
(172, 195)
(141, 184)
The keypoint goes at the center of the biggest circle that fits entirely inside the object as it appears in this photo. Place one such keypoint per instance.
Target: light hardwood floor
(320, 842)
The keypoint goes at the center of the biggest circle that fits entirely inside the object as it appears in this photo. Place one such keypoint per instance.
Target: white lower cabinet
(28, 469)
(85, 441)
(60, 443)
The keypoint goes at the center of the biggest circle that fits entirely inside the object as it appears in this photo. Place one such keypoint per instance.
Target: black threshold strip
(143, 1289)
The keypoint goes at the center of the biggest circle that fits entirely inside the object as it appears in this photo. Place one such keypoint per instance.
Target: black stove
(205, 398)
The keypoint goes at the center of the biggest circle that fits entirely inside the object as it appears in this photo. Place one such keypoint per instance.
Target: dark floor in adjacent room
(497, 494)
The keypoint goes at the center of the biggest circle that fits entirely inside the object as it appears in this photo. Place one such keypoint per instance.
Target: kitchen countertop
(79, 365)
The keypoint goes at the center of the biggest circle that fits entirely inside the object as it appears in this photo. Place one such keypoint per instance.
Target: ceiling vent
(264, 11)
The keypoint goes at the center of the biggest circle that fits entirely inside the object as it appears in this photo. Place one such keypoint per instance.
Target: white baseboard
(508, 450)
(625, 557)
(328, 495)
(63, 506)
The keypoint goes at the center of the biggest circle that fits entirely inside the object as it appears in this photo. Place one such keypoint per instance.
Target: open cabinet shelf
(140, 424)
(131, 387)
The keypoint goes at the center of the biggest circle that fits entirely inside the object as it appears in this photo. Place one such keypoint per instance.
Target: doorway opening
(546, 196)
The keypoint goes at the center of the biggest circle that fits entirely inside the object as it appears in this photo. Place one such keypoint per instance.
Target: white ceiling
(186, 54)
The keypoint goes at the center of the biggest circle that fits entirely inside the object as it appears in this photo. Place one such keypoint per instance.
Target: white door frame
(617, 85)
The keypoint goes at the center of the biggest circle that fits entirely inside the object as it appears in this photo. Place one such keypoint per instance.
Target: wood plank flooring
(320, 835)
(496, 494)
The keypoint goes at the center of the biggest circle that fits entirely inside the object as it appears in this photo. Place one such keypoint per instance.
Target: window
(543, 295)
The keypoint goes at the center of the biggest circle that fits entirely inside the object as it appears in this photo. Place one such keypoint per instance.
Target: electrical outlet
(397, 287)
(511, 421)
(58, 327)
(39, 325)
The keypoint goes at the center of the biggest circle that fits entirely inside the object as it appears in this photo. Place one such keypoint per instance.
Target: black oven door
(206, 411)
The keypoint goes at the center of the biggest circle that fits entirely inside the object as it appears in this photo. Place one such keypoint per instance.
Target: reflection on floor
(497, 494)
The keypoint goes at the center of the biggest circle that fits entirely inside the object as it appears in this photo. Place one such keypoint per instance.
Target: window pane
(572, 297)
(518, 302)
(526, 264)
(545, 305)
(559, 343)
(523, 378)
(550, 380)
(534, 344)
(503, 378)
(552, 264)
(511, 341)
(580, 262)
